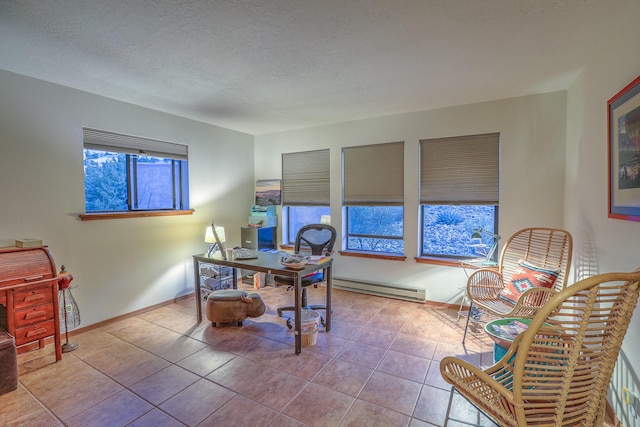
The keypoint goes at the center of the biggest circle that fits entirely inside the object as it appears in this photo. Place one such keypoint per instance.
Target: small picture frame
(624, 153)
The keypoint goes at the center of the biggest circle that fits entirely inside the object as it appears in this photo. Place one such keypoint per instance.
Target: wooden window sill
(373, 255)
(141, 214)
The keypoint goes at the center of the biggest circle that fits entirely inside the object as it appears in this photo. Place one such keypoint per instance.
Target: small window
(305, 190)
(373, 197)
(447, 230)
(377, 229)
(124, 173)
(459, 194)
(297, 216)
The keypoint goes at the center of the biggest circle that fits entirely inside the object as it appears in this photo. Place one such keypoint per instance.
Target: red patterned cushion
(525, 277)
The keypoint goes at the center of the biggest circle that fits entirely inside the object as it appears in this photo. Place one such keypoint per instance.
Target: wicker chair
(557, 372)
(547, 248)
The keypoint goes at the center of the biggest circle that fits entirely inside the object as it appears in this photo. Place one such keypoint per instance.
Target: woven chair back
(548, 248)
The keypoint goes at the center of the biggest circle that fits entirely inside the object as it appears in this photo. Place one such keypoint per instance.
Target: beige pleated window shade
(460, 170)
(305, 178)
(94, 139)
(373, 174)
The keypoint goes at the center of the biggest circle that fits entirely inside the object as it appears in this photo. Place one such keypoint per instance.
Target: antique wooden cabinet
(29, 297)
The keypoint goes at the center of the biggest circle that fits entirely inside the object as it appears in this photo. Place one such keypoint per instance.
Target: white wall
(532, 130)
(603, 244)
(118, 265)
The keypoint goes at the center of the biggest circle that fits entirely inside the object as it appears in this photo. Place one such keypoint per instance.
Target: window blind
(460, 170)
(109, 141)
(305, 178)
(373, 174)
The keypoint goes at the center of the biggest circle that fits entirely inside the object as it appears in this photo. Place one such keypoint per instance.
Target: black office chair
(320, 238)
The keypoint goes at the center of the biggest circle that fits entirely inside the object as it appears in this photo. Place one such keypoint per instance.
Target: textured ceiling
(261, 66)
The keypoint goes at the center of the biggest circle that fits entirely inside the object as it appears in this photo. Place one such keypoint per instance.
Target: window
(126, 173)
(305, 190)
(373, 197)
(459, 183)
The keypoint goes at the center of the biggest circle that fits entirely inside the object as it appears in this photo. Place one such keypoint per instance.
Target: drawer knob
(37, 331)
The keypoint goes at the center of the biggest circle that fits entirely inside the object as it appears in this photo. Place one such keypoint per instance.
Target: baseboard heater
(371, 288)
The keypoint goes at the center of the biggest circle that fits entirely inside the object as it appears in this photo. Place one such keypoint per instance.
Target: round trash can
(309, 321)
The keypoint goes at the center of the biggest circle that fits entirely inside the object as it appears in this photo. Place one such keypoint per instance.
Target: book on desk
(318, 259)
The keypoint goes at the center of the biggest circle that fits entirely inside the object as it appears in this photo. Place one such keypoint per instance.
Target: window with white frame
(373, 198)
(459, 194)
(126, 173)
(305, 190)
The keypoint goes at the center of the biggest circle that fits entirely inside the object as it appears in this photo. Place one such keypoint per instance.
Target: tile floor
(379, 366)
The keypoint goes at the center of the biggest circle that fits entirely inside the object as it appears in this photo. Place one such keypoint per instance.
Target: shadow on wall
(585, 257)
(625, 376)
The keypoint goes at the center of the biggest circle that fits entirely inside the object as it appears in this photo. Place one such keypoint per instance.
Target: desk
(269, 263)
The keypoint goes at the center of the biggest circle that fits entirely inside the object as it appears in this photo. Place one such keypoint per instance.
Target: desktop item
(218, 238)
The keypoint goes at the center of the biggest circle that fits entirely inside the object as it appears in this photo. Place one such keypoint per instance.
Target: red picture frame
(623, 120)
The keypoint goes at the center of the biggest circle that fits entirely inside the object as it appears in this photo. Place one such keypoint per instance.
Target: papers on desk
(318, 259)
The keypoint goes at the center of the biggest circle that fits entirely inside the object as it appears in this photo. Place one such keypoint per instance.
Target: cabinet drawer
(35, 332)
(33, 315)
(32, 297)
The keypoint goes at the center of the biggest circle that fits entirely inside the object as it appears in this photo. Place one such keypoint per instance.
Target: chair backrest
(565, 359)
(548, 248)
(319, 237)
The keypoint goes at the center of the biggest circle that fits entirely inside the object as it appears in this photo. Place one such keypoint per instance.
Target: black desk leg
(327, 314)
(298, 314)
(196, 270)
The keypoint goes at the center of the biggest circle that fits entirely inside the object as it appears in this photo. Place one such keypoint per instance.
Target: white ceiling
(261, 66)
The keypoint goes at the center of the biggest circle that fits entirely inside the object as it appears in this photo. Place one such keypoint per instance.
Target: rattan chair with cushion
(557, 372)
(534, 264)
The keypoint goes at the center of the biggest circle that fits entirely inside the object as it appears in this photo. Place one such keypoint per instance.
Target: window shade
(373, 174)
(305, 178)
(109, 141)
(460, 170)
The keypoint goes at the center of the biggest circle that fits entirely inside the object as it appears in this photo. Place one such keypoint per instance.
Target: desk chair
(320, 238)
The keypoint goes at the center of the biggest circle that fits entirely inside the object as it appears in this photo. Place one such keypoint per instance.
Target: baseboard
(379, 289)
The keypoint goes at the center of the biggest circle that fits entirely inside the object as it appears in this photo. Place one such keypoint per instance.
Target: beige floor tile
(305, 365)
(432, 405)
(362, 354)
(365, 414)
(164, 384)
(69, 387)
(118, 410)
(404, 365)
(156, 418)
(192, 405)
(240, 411)
(343, 376)
(274, 388)
(391, 392)
(18, 408)
(205, 361)
(318, 405)
(238, 374)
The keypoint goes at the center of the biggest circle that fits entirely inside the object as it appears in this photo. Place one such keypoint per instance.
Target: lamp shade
(210, 238)
(476, 234)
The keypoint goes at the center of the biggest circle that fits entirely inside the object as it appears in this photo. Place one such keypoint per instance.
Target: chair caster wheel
(289, 325)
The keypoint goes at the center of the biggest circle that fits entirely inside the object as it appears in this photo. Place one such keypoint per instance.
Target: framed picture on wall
(624, 153)
(268, 192)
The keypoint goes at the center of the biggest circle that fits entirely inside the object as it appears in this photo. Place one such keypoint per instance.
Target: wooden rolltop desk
(29, 297)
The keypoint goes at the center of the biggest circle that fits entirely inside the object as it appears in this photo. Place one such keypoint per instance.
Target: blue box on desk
(257, 210)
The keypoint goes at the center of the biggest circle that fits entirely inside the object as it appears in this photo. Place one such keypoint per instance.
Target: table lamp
(477, 234)
(210, 238)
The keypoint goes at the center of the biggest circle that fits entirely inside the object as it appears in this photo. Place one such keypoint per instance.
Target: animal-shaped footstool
(233, 306)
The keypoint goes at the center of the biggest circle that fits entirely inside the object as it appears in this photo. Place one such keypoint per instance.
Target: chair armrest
(484, 284)
(531, 300)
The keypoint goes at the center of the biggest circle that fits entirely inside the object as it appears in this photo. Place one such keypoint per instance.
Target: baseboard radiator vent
(380, 289)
